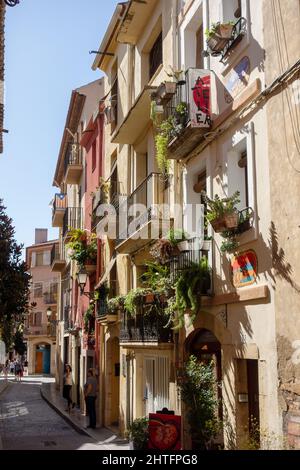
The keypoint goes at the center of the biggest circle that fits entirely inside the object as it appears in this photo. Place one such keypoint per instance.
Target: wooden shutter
(149, 385)
(162, 379)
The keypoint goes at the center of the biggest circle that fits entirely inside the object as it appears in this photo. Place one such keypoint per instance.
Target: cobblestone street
(27, 422)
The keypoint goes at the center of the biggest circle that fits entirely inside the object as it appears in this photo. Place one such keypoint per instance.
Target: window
(238, 179)
(94, 155)
(38, 290)
(242, 163)
(37, 319)
(155, 56)
(232, 10)
(39, 259)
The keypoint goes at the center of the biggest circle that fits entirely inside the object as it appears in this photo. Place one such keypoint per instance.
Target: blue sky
(47, 56)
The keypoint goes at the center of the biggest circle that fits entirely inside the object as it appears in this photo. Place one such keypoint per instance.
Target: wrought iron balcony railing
(73, 155)
(145, 329)
(151, 193)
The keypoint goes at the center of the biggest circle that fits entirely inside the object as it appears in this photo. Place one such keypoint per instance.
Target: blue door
(46, 360)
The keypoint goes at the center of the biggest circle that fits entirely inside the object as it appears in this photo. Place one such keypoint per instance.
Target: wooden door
(39, 362)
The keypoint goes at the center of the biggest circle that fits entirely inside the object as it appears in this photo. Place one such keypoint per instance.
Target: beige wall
(282, 44)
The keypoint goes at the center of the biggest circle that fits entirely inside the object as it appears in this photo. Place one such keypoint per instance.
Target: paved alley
(27, 422)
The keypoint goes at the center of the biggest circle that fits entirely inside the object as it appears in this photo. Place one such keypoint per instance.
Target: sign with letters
(199, 88)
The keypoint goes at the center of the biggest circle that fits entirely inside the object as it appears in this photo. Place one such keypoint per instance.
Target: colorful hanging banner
(244, 269)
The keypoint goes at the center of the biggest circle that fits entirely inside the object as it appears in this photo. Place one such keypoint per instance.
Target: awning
(107, 273)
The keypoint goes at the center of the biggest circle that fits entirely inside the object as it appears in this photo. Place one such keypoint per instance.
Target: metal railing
(181, 96)
(186, 259)
(73, 155)
(145, 329)
(50, 299)
(152, 192)
(72, 219)
(60, 202)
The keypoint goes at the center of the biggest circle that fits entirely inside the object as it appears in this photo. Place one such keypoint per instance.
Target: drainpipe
(175, 34)
(205, 27)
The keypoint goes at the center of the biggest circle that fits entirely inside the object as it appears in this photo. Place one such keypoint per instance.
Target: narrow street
(27, 422)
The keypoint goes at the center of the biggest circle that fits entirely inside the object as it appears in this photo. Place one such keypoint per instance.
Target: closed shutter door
(149, 385)
(162, 376)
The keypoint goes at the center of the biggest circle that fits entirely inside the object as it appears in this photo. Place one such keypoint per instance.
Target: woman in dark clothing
(90, 393)
(68, 387)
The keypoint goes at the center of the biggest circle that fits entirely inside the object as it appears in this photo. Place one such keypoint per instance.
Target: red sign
(200, 102)
(244, 269)
(164, 432)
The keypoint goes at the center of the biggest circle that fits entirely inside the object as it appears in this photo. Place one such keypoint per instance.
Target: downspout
(205, 27)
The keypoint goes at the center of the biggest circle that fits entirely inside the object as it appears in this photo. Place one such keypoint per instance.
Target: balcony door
(156, 383)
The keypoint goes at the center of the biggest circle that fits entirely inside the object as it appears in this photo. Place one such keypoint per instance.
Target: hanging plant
(191, 284)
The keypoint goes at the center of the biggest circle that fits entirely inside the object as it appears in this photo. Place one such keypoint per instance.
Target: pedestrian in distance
(90, 393)
(67, 389)
(18, 371)
(6, 369)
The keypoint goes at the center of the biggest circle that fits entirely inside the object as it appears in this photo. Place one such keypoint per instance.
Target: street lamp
(82, 276)
(49, 313)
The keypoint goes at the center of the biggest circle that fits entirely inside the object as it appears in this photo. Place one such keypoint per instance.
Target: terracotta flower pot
(232, 220)
(183, 246)
(149, 298)
(218, 225)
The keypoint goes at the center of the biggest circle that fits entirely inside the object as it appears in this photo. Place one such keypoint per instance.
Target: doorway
(42, 359)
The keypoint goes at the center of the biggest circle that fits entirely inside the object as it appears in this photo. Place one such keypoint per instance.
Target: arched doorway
(204, 345)
(42, 359)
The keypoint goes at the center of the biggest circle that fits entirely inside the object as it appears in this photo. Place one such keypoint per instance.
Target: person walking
(90, 393)
(67, 389)
(6, 369)
(18, 371)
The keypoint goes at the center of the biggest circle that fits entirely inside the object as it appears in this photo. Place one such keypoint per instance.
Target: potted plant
(138, 434)
(165, 91)
(162, 250)
(218, 35)
(245, 220)
(177, 75)
(181, 114)
(222, 214)
(178, 239)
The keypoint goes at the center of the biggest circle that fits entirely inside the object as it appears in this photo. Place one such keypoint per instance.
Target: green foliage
(218, 207)
(210, 32)
(14, 280)
(133, 300)
(89, 314)
(157, 277)
(115, 304)
(19, 345)
(198, 392)
(188, 288)
(176, 236)
(181, 109)
(138, 433)
(82, 247)
(229, 246)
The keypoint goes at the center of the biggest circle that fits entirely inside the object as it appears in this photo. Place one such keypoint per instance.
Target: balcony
(145, 329)
(73, 164)
(59, 208)
(189, 110)
(104, 316)
(150, 196)
(136, 120)
(135, 21)
(72, 219)
(36, 331)
(58, 260)
(193, 255)
(50, 299)
(222, 46)
(111, 197)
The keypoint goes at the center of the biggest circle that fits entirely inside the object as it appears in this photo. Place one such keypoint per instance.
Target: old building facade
(40, 324)
(230, 106)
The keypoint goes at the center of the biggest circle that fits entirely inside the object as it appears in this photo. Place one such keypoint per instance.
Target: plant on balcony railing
(225, 219)
(170, 246)
(193, 282)
(82, 247)
(115, 304)
(221, 37)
